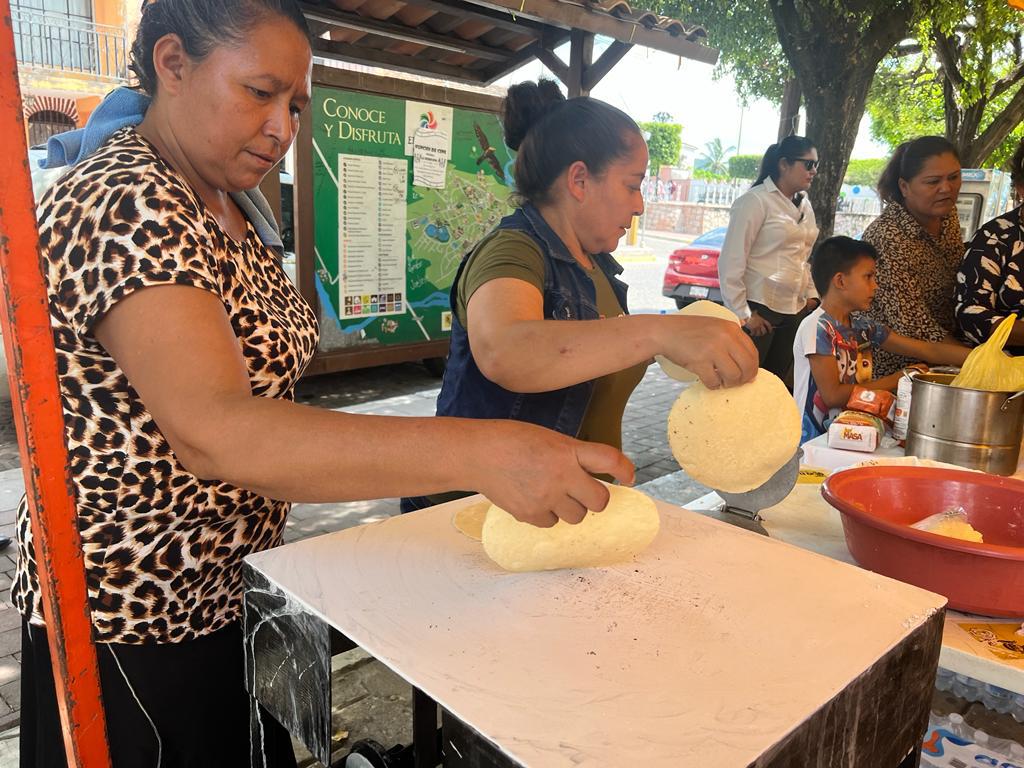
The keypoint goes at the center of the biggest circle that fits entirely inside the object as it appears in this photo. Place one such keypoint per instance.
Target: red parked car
(692, 271)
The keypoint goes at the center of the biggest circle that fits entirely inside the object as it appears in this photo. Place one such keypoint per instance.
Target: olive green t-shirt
(508, 253)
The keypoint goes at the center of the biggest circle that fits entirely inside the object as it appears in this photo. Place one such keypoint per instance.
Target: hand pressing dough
(697, 309)
(469, 520)
(735, 439)
(623, 529)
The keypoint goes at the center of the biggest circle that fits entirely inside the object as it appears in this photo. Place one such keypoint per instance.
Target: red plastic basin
(878, 504)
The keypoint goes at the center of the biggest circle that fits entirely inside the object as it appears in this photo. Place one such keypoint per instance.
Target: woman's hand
(717, 351)
(540, 476)
(757, 325)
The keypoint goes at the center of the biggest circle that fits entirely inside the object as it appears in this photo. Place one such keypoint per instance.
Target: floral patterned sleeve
(988, 285)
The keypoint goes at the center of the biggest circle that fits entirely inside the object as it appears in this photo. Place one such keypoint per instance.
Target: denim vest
(569, 294)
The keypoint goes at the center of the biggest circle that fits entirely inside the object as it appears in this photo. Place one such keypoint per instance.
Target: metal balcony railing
(56, 42)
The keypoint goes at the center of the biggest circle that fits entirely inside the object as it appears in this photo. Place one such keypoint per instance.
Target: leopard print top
(163, 549)
(916, 274)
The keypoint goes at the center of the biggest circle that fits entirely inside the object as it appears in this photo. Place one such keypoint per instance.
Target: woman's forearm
(546, 355)
(300, 453)
(297, 453)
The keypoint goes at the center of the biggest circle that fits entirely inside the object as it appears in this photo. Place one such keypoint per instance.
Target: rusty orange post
(39, 418)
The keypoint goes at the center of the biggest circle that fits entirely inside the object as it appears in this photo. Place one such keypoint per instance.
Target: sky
(645, 82)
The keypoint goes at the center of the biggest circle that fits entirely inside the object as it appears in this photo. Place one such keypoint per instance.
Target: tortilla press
(743, 509)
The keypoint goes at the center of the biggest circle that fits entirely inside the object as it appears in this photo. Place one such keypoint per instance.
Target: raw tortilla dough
(623, 529)
(699, 309)
(469, 520)
(735, 439)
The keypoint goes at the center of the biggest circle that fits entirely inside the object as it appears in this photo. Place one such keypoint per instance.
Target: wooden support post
(612, 55)
(580, 76)
(39, 419)
(303, 222)
(581, 54)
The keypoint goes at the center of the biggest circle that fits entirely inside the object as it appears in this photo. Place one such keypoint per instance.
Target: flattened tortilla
(698, 309)
(469, 520)
(735, 439)
(622, 530)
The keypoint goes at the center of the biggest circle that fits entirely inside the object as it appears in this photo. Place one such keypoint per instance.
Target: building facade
(70, 54)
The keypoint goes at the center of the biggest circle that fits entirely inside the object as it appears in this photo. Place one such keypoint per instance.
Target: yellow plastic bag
(989, 368)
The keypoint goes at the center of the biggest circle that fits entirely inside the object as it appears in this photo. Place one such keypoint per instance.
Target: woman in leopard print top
(919, 244)
(179, 340)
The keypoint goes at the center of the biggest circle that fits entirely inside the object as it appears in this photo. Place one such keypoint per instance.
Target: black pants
(775, 349)
(191, 694)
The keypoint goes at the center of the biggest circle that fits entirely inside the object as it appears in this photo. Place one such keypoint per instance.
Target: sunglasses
(809, 164)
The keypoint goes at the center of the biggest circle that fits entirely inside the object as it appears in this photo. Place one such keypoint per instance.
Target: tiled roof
(480, 41)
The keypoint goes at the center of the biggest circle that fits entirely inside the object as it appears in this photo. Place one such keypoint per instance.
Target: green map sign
(401, 191)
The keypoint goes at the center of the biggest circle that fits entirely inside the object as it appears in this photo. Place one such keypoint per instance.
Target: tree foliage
(664, 144)
(715, 159)
(745, 33)
(832, 48)
(964, 79)
(744, 166)
(865, 172)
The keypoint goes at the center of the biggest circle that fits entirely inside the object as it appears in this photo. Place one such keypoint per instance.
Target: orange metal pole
(32, 365)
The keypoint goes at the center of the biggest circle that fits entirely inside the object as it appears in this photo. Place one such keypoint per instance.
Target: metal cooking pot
(968, 427)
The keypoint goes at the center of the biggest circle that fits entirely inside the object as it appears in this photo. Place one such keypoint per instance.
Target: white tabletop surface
(806, 520)
(707, 650)
(818, 454)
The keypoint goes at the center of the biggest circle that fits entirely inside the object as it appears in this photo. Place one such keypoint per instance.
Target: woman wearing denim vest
(540, 327)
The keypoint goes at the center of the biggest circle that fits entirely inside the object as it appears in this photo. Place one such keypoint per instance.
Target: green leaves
(665, 142)
(961, 82)
(715, 159)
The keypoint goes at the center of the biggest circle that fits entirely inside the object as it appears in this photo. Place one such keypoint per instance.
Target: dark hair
(551, 133)
(202, 25)
(837, 254)
(1017, 165)
(907, 161)
(790, 148)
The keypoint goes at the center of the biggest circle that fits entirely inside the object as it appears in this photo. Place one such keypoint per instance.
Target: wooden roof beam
(467, 10)
(357, 54)
(545, 46)
(566, 16)
(401, 32)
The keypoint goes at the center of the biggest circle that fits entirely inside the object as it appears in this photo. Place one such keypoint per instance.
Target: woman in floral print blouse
(990, 283)
(919, 242)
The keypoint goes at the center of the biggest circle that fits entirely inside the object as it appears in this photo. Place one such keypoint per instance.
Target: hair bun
(525, 105)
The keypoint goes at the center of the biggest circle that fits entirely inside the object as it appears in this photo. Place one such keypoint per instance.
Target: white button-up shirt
(765, 254)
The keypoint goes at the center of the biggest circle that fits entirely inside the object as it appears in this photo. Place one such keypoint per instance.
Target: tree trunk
(834, 51)
(833, 119)
(789, 113)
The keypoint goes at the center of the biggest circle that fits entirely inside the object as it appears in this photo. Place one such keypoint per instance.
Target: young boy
(833, 352)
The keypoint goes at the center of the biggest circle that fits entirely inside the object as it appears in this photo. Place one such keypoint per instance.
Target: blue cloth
(125, 107)
(569, 294)
(121, 107)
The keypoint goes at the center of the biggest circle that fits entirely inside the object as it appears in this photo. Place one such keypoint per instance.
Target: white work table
(715, 647)
(806, 520)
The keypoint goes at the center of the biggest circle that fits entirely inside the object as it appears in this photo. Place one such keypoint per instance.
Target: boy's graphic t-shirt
(852, 346)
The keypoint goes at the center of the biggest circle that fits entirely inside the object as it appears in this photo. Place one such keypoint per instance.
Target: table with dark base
(716, 646)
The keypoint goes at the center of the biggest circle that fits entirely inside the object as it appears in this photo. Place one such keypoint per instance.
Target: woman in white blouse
(763, 267)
